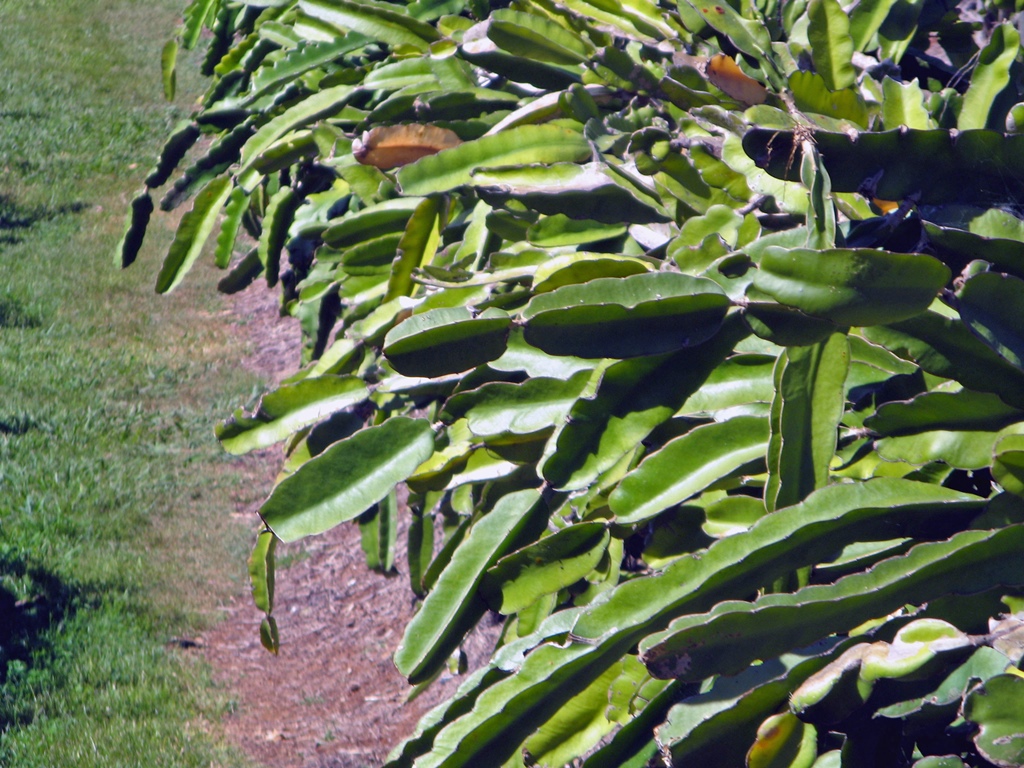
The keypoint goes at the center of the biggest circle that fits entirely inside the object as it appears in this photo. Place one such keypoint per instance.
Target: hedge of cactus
(694, 330)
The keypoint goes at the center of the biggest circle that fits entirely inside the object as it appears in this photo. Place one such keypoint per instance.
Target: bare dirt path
(332, 698)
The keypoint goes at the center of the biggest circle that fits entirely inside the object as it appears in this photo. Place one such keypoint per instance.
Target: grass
(114, 532)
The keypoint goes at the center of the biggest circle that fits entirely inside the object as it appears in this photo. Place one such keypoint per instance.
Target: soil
(332, 697)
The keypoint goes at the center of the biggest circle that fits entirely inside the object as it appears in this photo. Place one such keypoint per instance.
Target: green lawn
(114, 498)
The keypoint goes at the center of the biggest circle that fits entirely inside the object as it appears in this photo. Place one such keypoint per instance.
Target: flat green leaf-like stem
(288, 409)
(377, 533)
(740, 380)
(875, 510)
(634, 397)
(583, 721)
(194, 229)
(1008, 467)
(242, 275)
(418, 245)
(903, 104)
(543, 568)
(447, 340)
(984, 663)
(866, 19)
(961, 449)
(135, 229)
(518, 409)
(235, 209)
(964, 410)
(221, 154)
(278, 217)
(184, 135)
(934, 166)
(195, 15)
(633, 745)
(510, 709)
(378, 21)
(958, 247)
(305, 56)
(729, 637)
(582, 192)
(717, 727)
(808, 407)
(453, 606)
(537, 38)
(688, 465)
(991, 75)
(997, 708)
(343, 481)
(453, 167)
(812, 95)
(645, 314)
(168, 62)
(749, 36)
(852, 286)
(384, 218)
(992, 305)
(945, 347)
(261, 571)
(307, 111)
(831, 44)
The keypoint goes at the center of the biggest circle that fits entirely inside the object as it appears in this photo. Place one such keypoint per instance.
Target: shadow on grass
(32, 600)
(16, 426)
(14, 315)
(20, 114)
(15, 218)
